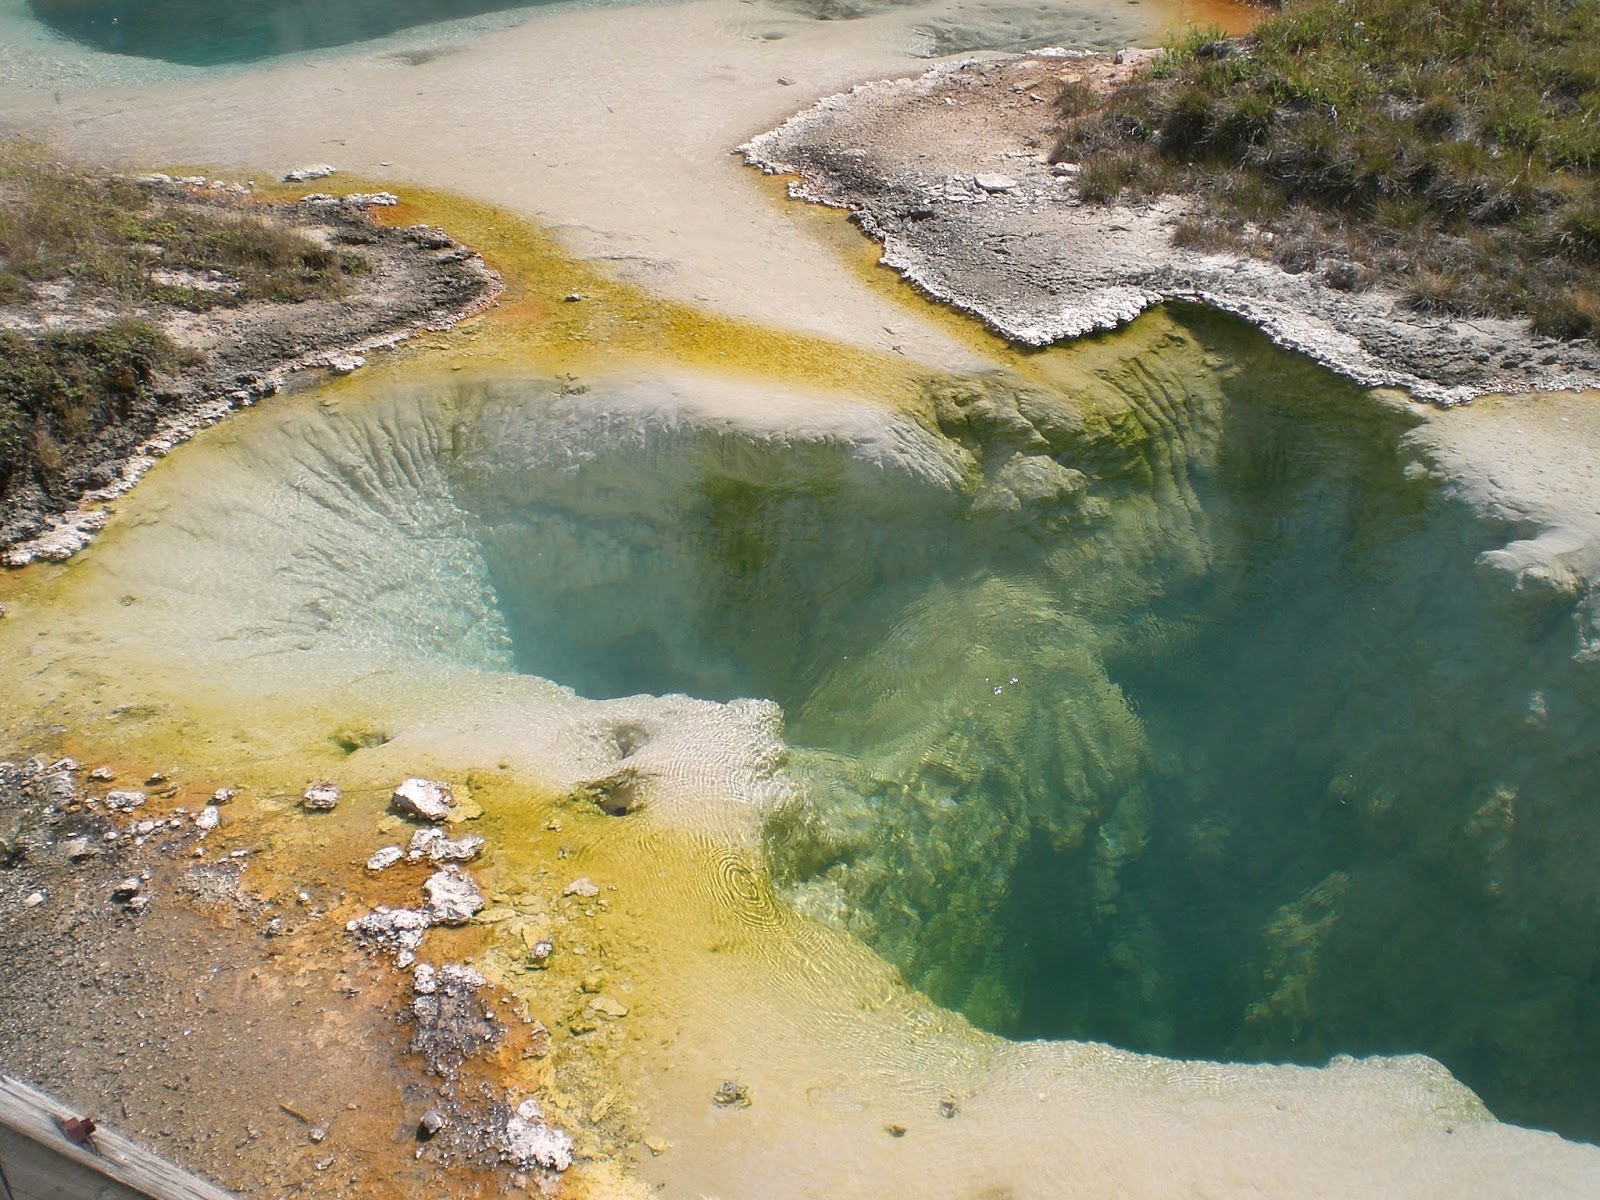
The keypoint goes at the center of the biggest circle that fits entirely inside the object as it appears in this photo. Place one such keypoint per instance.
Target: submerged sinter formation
(1162, 692)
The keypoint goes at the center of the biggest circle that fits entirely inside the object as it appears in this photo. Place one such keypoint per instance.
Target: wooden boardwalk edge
(40, 1163)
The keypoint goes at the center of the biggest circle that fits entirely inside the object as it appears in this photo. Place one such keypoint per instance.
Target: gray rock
(423, 799)
(432, 1122)
(530, 1142)
(344, 364)
(432, 844)
(995, 184)
(126, 889)
(78, 848)
(396, 930)
(606, 1006)
(124, 801)
(102, 775)
(324, 797)
(222, 795)
(453, 898)
(307, 174)
(385, 858)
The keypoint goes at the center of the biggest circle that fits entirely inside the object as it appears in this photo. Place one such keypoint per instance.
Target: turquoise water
(1195, 727)
(207, 33)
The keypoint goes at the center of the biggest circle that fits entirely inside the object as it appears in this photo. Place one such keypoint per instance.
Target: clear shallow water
(1160, 702)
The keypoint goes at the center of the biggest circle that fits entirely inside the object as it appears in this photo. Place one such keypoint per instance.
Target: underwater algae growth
(1144, 691)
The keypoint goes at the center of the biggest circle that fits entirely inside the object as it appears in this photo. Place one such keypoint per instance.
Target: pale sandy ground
(612, 124)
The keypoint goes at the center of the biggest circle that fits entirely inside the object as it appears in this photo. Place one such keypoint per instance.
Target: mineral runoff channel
(1157, 690)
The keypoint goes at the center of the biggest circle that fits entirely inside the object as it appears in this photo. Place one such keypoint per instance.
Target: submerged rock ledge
(950, 171)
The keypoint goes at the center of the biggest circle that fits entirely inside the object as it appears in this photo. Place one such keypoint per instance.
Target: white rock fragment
(398, 930)
(33, 900)
(995, 184)
(344, 364)
(324, 797)
(208, 818)
(307, 174)
(432, 844)
(453, 898)
(102, 775)
(124, 801)
(423, 799)
(385, 858)
(530, 1143)
(580, 887)
(222, 795)
(372, 199)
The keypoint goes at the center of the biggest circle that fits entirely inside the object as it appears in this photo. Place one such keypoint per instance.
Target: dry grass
(111, 237)
(1450, 147)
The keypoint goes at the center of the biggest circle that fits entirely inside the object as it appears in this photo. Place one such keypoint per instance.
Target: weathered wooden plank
(40, 1163)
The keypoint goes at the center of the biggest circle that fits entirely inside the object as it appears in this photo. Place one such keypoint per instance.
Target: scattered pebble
(607, 1007)
(124, 801)
(453, 898)
(995, 184)
(307, 174)
(423, 799)
(324, 797)
(385, 858)
(529, 1142)
(432, 844)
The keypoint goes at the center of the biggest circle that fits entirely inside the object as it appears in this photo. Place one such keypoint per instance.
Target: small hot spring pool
(1172, 709)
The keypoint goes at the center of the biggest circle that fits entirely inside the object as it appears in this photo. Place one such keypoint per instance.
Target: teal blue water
(1216, 742)
(208, 33)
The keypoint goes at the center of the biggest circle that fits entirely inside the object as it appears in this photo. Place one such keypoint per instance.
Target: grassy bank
(101, 260)
(1449, 148)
